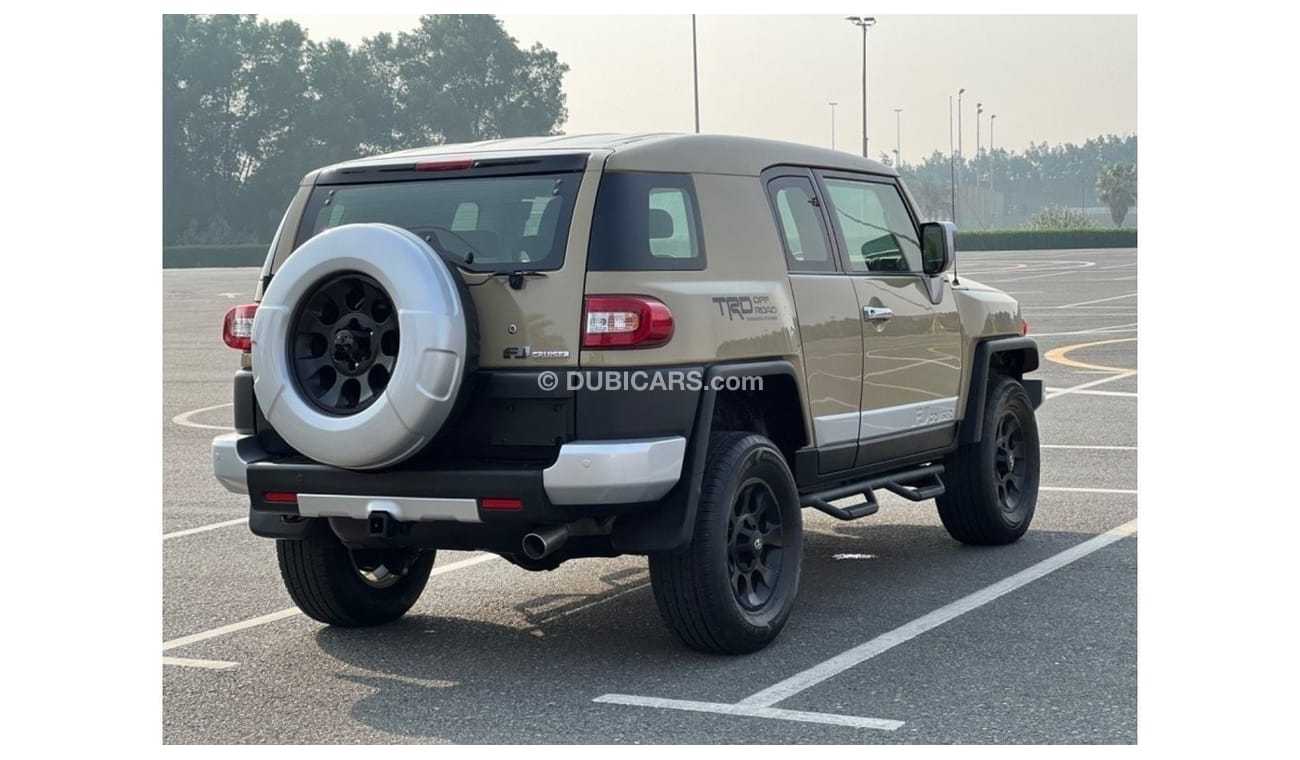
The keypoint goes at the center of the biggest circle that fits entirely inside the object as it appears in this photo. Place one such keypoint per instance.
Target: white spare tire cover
(431, 353)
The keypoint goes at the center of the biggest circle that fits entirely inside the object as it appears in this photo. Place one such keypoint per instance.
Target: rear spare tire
(360, 346)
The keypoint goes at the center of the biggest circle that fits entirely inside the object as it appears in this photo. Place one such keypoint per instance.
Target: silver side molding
(876, 423)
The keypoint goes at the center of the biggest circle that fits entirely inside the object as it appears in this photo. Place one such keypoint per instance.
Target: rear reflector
(509, 505)
(1024, 326)
(237, 329)
(280, 497)
(449, 165)
(625, 322)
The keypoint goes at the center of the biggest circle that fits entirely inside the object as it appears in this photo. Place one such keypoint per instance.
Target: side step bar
(917, 484)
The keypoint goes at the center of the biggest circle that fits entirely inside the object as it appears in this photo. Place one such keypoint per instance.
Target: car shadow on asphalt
(438, 677)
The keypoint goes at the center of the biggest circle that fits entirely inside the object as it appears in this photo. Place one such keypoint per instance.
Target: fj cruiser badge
(527, 352)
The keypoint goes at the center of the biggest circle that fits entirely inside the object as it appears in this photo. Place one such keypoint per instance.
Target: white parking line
(186, 662)
(1129, 327)
(183, 418)
(1099, 300)
(1099, 448)
(760, 704)
(204, 528)
(1067, 489)
(1089, 384)
(722, 708)
(272, 617)
(908, 631)
(1122, 394)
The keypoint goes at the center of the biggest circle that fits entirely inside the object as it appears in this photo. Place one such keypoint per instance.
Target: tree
(249, 107)
(463, 78)
(1117, 189)
(1057, 218)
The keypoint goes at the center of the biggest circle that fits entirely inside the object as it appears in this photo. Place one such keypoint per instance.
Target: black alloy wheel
(344, 343)
(755, 544)
(1009, 462)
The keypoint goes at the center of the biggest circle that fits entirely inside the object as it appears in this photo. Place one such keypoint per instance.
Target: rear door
(911, 339)
(830, 329)
(516, 226)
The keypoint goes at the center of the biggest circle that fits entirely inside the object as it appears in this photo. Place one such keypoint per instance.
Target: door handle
(877, 313)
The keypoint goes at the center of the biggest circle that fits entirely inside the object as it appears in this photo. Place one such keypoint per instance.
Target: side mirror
(938, 247)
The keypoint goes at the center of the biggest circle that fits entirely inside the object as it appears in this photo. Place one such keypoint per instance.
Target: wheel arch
(1011, 356)
(669, 526)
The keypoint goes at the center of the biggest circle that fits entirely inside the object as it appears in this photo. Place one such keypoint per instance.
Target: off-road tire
(693, 588)
(320, 576)
(974, 509)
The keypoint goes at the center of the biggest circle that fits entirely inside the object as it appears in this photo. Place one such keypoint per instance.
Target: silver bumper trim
(600, 472)
(401, 508)
(614, 472)
(231, 455)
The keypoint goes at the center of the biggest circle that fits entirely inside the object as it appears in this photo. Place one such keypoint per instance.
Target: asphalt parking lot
(900, 634)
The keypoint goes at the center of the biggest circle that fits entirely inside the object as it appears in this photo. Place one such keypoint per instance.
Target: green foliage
(250, 106)
(1037, 240)
(1058, 218)
(1040, 175)
(178, 256)
(1117, 189)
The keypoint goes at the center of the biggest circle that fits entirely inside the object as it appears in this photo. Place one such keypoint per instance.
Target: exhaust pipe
(545, 541)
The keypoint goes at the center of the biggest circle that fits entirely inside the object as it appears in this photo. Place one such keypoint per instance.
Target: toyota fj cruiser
(587, 346)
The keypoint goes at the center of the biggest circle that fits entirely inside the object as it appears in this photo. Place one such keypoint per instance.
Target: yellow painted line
(1058, 355)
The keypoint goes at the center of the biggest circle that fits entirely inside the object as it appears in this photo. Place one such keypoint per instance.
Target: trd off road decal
(747, 308)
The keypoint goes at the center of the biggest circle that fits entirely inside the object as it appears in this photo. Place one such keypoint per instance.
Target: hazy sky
(1048, 78)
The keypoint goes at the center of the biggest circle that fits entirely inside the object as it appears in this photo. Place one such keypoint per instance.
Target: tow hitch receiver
(380, 524)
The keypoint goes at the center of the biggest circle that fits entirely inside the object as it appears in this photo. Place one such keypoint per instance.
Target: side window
(670, 225)
(877, 231)
(807, 246)
(645, 221)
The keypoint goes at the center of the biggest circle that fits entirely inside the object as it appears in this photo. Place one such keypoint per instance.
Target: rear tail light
(625, 322)
(1024, 326)
(237, 330)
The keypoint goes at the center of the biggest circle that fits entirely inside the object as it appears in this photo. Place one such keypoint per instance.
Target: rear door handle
(877, 313)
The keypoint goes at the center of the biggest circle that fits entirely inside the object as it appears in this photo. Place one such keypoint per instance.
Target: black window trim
(841, 245)
(679, 180)
(793, 265)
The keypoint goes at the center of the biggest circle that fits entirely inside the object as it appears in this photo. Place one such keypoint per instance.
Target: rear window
(645, 221)
(499, 223)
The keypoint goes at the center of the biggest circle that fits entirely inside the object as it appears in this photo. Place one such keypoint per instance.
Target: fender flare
(670, 526)
(972, 421)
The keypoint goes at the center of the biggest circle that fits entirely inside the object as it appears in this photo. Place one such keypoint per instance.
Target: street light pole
(992, 119)
(961, 154)
(979, 111)
(952, 165)
(866, 22)
(695, 68)
(832, 104)
(898, 138)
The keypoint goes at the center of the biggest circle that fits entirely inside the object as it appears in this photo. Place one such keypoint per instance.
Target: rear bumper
(587, 478)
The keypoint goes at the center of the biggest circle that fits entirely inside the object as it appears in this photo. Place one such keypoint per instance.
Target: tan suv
(578, 346)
